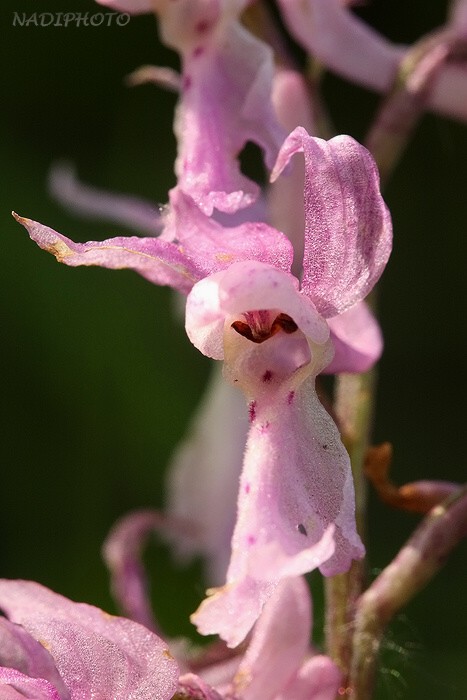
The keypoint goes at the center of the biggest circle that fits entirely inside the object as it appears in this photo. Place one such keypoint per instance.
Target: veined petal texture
(97, 655)
(348, 231)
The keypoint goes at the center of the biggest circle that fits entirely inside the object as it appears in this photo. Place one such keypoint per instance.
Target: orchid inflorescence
(275, 282)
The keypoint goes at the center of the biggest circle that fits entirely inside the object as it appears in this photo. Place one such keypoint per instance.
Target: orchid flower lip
(263, 324)
(249, 286)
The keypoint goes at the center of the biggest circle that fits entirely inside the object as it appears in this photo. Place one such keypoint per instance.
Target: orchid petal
(90, 202)
(213, 247)
(18, 650)
(243, 287)
(190, 247)
(278, 643)
(296, 502)
(318, 679)
(225, 102)
(342, 42)
(17, 686)
(292, 102)
(191, 687)
(159, 261)
(256, 212)
(96, 654)
(122, 552)
(291, 99)
(204, 474)
(348, 232)
(295, 510)
(357, 340)
(231, 611)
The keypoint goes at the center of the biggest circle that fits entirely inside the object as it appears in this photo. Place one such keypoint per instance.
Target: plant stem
(418, 561)
(354, 411)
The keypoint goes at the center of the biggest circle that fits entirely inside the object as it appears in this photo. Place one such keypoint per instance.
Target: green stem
(418, 561)
(354, 411)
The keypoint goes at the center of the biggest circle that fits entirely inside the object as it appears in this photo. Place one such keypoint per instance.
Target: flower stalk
(353, 407)
(419, 560)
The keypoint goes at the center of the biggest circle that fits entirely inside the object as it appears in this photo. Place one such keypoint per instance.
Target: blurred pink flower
(348, 46)
(225, 97)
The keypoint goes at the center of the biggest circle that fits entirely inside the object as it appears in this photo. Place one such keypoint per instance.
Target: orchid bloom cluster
(275, 284)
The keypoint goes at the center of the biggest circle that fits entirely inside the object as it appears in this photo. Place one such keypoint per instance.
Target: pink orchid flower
(351, 48)
(204, 473)
(296, 501)
(225, 97)
(54, 649)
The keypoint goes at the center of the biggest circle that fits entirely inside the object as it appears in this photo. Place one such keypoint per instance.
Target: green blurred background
(98, 379)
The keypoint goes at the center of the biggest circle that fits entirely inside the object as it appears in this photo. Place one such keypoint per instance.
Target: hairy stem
(418, 561)
(354, 410)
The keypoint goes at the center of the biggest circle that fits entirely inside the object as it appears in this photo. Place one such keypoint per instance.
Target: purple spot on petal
(251, 539)
(290, 397)
(247, 488)
(186, 82)
(264, 427)
(252, 411)
(267, 376)
(198, 51)
(202, 26)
